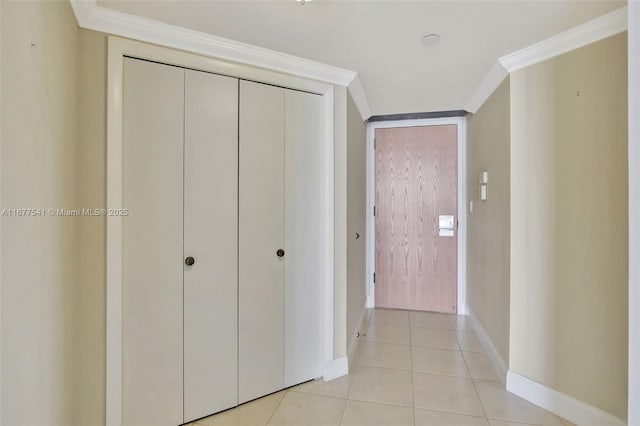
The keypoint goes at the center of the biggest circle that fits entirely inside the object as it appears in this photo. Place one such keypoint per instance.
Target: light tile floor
(410, 368)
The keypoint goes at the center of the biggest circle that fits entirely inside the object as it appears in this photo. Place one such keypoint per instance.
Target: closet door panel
(305, 236)
(152, 244)
(211, 238)
(261, 230)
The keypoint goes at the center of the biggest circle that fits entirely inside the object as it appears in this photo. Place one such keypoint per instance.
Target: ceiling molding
(94, 17)
(487, 86)
(357, 93)
(589, 32)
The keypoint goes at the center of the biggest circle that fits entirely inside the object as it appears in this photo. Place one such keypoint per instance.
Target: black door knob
(280, 253)
(189, 261)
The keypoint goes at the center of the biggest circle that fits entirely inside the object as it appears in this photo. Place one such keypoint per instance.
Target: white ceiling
(381, 40)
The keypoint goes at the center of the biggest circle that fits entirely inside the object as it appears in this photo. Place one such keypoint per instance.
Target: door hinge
(374, 210)
(375, 141)
(374, 277)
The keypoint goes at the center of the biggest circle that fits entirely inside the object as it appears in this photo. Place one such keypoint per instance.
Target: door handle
(189, 261)
(446, 225)
(280, 253)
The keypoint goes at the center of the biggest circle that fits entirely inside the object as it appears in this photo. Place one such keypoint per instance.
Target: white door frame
(461, 122)
(119, 48)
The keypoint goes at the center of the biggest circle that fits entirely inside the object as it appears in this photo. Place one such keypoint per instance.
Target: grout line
(344, 410)
(276, 407)
(390, 404)
(475, 388)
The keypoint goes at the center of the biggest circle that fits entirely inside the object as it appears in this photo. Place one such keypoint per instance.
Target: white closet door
(152, 244)
(211, 238)
(305, 237)
(261, 226)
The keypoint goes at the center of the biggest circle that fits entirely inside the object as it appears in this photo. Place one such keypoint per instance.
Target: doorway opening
(416, 199)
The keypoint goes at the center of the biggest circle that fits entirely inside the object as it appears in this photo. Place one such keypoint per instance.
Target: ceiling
(382, 40)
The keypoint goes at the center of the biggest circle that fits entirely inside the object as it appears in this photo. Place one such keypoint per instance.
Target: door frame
(461, 122)
(118, 49)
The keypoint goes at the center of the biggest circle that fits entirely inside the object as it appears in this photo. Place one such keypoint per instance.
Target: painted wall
(356, 210)
(569, 227)
(488, 232)
(39, 97)
(634, 213)
(90, 289)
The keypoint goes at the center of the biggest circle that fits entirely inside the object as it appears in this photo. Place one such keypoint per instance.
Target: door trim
(461, 122)
(118, 48)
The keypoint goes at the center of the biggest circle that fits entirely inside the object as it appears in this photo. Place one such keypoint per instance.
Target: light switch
(483, 192)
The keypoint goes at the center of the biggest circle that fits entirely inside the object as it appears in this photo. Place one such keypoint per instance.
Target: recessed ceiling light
(431, 38)
(302, 2)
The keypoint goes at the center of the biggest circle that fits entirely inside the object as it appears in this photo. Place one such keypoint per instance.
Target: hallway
(410, 368)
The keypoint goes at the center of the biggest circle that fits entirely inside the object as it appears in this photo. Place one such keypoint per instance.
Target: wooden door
(211, 238)
(416, 182)
(152, 288)
(261, 234)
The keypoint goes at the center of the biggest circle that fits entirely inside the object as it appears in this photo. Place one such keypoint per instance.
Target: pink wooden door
(416, 182)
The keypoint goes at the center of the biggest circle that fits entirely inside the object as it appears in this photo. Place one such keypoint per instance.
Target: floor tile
(359, 413)
(438, 361)
(437, 418)
(337, 387)
(502, 405)
(442, 339)
(381, 385)
(480, 366)
(429, 320)
(460, 322)
(254, 413)
(443, 393)
(468, 341)
(311, 410)
(381, 333)
(390, 317)
(494, 422)
(383, 355)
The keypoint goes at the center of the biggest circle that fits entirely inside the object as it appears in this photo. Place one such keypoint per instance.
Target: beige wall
(90, 290)
(39, 152)
(569, 224)
(356, 208)
(488, 144)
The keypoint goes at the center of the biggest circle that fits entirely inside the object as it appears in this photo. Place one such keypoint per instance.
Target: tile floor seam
(371, 401)
(475, 388)
(384, 368)
(276, 407)
(344, 410)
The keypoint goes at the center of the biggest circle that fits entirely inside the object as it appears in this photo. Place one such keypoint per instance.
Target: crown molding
(487, 86)
(597, 29)
(94, 17)
(357, 93)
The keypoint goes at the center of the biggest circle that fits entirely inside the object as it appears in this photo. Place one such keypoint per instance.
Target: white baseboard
(336, 368)
(558, 403)
(492, 352)
(353, 345)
